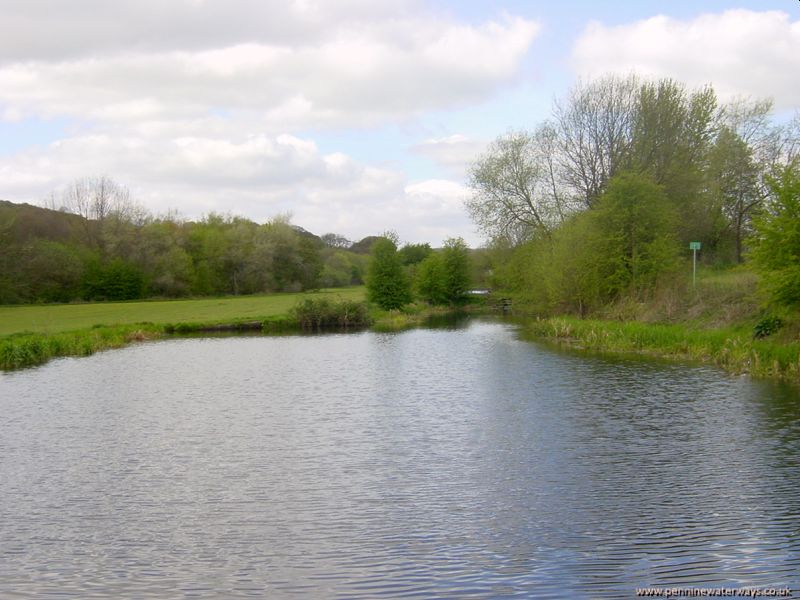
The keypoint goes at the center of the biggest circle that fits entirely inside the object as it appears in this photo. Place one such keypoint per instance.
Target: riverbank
(280, 313)
(720, 321)
(736, 351)
(31, 335)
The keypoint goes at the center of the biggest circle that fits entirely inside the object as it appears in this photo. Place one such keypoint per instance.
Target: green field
(55, 318)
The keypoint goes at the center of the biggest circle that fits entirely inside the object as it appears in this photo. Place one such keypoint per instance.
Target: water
(432, 463)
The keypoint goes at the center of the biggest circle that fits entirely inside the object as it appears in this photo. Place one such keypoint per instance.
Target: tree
(673, 132)
(444, 276)
(334, 240)
(411, 254)
(734, 179)
(775, 247)
(633, 239)
(456, 267)
(51, 271)
(429, 280)
(387, 285)
(100, 201)
(595, 129)
(515, 185)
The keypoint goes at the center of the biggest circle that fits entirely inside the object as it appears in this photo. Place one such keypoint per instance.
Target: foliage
(444, 277)
(767, 326)
(55, 256)
(334, 240)
(594, 205)
(634, 240)
(733, 176)
(412, 254)
(387, 285)
(322, 313)
(429, 280)
(514, 191)
(622, 246)
(116, 280)
(712, 161)
(776, 243)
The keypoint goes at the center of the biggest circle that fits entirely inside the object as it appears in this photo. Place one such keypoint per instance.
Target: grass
(32, 335)
(733, 349)
(56, 318)
(714, 322)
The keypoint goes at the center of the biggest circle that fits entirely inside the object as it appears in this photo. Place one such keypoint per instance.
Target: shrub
(320, 313)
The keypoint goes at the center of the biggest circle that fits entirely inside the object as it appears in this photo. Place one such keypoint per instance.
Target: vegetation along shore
(643, 216)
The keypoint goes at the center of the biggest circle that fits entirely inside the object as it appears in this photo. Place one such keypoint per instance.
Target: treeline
(602, 200)
(95, 243)
(397, 277)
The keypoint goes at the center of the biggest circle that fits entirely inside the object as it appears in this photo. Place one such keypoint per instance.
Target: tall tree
(595, 128)
(387, 285)
(444, 276)
(776, 243)
(734, 184)
(516, 187)
(633, 240)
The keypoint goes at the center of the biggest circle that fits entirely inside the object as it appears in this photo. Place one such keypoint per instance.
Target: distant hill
(20, 223)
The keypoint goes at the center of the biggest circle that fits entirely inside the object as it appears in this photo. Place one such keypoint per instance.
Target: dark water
(432, 463)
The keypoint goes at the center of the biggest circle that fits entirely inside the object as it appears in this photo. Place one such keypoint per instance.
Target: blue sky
(353, 116)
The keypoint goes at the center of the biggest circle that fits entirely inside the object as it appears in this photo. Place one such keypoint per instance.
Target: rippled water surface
(433, 463)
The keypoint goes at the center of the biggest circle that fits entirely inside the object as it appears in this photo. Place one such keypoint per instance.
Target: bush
(320, 313)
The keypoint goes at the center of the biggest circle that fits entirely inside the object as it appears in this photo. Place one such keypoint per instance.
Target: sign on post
(694, 247)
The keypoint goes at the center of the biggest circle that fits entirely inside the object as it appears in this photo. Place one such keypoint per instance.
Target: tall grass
(735, 350)
(30, 349)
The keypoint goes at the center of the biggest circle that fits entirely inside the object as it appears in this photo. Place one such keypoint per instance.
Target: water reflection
(446, 462)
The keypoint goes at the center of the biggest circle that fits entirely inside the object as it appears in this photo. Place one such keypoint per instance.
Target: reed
(734, 349)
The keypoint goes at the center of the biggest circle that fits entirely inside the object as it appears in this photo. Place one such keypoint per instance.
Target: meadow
(58, 318)
(33, 334)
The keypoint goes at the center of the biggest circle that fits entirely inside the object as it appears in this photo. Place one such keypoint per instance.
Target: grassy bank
(49, 334)
(715, 322)
(32, 335)
(734, 350)
(55, 318)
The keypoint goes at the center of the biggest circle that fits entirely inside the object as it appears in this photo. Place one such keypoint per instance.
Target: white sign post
(694, 247)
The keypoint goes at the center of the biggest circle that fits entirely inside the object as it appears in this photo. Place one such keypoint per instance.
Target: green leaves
(387, 285)
(776, 243)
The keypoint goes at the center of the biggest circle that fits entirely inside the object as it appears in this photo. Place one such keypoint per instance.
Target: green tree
(411, 254)
(734, 185)
(516, 192)
(633, 238)
(387, 285)
(456, 267)
(115, 280)
(775, 247)
(429, 280)
(52, 271)
(444, 276)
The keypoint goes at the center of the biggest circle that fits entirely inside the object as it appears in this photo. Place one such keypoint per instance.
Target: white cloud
(202, 105)
(256, 177)
(46, 30)
(740, 52)
(360, 72)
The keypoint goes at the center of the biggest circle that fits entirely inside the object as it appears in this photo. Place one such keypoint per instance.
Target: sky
(353, 116)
